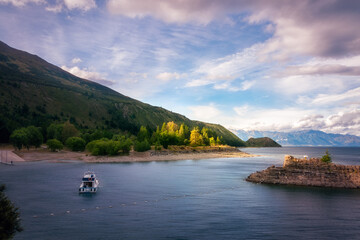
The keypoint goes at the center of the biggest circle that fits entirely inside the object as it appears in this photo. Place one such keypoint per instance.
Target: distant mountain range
(303, 138)
(35, 92)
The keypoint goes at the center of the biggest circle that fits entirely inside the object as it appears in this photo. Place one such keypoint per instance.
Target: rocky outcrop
(309, 172)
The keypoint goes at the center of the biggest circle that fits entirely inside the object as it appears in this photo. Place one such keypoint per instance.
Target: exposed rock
(309, 172)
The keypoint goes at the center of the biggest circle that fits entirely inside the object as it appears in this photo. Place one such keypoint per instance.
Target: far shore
(42, 154)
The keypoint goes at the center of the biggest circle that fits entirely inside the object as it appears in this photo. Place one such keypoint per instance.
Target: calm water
(204, 199)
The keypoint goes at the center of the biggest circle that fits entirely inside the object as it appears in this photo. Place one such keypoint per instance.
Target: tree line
(104, 142)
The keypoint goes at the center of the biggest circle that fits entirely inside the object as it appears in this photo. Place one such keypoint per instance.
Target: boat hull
(87, 190)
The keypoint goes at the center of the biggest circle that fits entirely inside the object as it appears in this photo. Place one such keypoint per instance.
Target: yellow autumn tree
(196, 138)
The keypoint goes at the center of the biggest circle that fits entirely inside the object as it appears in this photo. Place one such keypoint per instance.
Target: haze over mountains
(35, 92)
(303, 138)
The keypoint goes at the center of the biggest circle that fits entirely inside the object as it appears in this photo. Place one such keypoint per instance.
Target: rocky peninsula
(309, 172)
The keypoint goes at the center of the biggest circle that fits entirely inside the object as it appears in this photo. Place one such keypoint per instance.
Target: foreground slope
(35, 92)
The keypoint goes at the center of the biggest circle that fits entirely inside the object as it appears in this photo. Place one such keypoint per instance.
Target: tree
(35, 136)
(212, 141)
(9, 217)
(183, 133)
(205, 133)
(163, 128)
(75, 144)
(69, 130)
(218, 141)
(164, 139)
(326, 158)
(109, 147)
(26, 137)
(172, 127)
(143, 134)
(195, 138)
(54, 131)
(156, 136)
(126, 146)
(142, 146)
(19, 138)
(54, 144)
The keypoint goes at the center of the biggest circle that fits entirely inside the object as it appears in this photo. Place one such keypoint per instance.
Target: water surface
(203, 199)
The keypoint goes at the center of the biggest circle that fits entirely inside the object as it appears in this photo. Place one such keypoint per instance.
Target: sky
(277, 65)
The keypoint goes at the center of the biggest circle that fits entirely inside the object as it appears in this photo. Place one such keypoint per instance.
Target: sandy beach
(64, 155)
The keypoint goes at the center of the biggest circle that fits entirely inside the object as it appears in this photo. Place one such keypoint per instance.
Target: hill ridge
(36, 92)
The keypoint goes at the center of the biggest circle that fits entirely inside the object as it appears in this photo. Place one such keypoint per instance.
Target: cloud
(322, 70)
(315, 28)
(207, 113)
(89, 75)
(304, 85)
(76, 60)
(229, 72)
(349, 97)
(167, 76)
(169, 11)
(21, 3)
(346, 121)
(83, 5)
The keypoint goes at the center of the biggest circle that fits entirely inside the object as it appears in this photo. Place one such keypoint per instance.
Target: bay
(202, 199)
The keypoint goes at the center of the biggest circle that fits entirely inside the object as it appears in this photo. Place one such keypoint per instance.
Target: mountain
(303, 138)
(261, 142)
(35, 92)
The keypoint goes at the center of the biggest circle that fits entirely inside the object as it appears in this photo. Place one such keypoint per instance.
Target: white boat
(89, 183)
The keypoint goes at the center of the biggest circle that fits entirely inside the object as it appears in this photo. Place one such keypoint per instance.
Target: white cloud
(167, 76)
(227, 73)
(89, 75)
(303, 85)
(118, 58)
(198, 83)
(245, 85)
(349, 97)
(55, 8)
(21, 3)
(164, 54)
(320, 28)
(207, 113)
(76, 60)
(169, 11)
(346, 121)
(83, 5)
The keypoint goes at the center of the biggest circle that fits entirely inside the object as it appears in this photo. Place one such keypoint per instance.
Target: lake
(202, 199)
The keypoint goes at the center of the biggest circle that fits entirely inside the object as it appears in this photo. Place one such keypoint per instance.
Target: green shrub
(75, 144)
(108, 147)
(26, 137)
(157, 146)
(142, 146)
(35, 136)
(326, 158)
(19, 138)
(54, 145)
(9, 217)
(97, 147)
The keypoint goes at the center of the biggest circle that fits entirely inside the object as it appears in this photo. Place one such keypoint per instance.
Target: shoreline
(310, 173)
(34, 155)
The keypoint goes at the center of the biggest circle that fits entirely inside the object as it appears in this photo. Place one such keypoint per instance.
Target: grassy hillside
(262, 142)
(35, 92)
